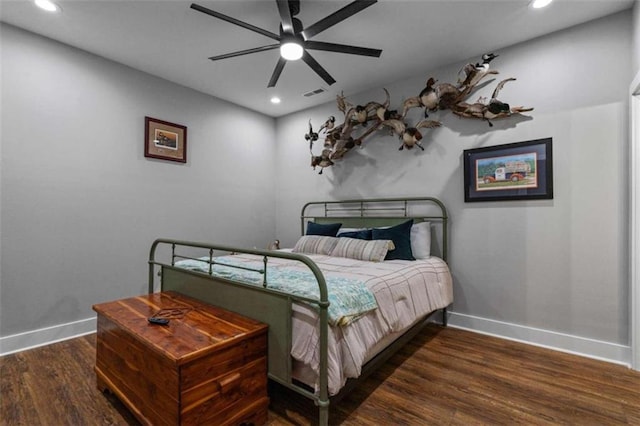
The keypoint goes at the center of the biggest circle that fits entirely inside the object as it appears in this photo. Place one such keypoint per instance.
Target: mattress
(404, 292)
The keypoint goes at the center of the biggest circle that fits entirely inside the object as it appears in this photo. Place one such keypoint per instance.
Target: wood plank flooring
(444, 377)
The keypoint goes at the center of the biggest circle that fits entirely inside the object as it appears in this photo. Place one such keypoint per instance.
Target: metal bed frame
(274, 307)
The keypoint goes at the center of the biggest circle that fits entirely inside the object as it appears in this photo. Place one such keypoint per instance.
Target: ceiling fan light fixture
(291, 50)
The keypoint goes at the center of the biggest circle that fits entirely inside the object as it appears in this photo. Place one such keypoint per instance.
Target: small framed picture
(515, 171)
(164, 140)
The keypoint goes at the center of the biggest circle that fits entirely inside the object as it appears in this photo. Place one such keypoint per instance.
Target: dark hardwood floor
(444, 377)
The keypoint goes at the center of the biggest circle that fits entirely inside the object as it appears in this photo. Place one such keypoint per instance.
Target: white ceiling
(170, 40)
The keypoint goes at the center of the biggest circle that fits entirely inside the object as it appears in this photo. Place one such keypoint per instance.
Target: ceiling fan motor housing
(294, 7)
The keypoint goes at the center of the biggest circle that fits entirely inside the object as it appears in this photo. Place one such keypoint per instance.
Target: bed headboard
(369, 213)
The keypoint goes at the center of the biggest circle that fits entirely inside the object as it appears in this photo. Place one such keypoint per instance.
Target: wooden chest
(206, 366)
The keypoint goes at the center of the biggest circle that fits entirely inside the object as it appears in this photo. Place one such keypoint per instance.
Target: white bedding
(405, 292)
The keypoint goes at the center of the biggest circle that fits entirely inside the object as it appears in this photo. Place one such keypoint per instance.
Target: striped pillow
(370, 250)
(315, 244)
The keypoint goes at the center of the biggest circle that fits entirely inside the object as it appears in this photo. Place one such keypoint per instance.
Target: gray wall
(81, 205)
(558, 265)
(635, 54)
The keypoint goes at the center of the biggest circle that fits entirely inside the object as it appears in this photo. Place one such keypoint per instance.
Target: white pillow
(315, 244)
(370, 250)
(421, 240)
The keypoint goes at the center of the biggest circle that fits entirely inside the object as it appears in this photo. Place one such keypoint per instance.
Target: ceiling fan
(294, 38)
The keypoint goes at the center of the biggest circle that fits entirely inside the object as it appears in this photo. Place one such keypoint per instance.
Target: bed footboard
(269, 306)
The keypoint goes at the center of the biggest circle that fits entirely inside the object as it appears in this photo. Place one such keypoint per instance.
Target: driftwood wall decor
(361, 121)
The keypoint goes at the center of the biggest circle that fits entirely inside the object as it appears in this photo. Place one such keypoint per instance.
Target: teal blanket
(348, 298)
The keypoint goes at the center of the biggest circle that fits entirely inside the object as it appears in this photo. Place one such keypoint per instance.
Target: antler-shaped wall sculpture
(360, 121)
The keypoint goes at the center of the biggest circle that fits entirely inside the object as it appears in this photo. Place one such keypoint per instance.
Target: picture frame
(164, 140)
(514, 171)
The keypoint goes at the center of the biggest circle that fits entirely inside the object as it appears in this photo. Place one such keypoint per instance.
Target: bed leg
(444, 317)
(323, 415)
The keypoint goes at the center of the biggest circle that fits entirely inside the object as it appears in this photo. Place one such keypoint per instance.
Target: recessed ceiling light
(538, 4)
(275, 100)
(47, 5)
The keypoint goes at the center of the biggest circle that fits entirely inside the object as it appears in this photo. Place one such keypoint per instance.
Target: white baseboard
(45, 336)
(605, 351)
(591, 348)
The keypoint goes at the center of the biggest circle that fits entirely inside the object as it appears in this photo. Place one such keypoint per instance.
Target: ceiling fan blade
(245, 52)
(276, 72)
(234, 21)
(342, 48)
(285, 16)
(336, 17)
(317, 68)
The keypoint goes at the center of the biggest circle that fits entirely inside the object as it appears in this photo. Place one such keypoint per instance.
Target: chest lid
(195, 329)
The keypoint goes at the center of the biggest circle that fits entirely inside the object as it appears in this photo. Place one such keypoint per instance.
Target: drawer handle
(229, 382)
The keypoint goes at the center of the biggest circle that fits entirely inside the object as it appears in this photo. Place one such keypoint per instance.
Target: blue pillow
(363, 234)
(327, 230)
(401, 237)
